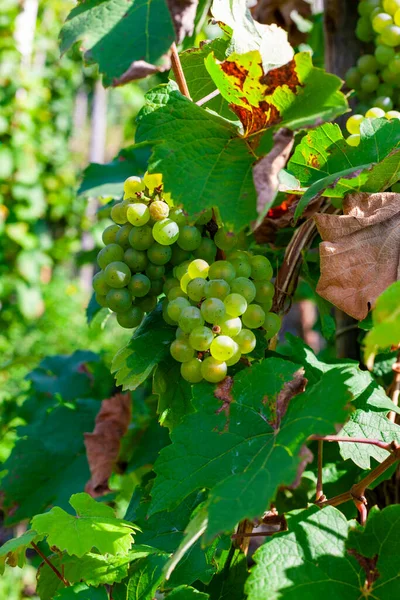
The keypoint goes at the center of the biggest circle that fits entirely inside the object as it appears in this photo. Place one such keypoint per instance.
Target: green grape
(185, 280)
(138, 214)
(353, 140)
(99, 284)
(216, 288)
(235, 305)
(381, 21)
(190, 318)
(164, 305)
(244, 287)
(231, 326)
(198, 268)
(364, 30)
(353, 123)
(139, 285)
(156, 287)
(166, 232)
(109, 254)
(389, 77)
(353, 78)
(101, 300)
(367, 6)
(394, 64)
(207, 250)
(117, 274)
(375, 113)
(246, 340)
(191, 370)
(181, 335)
(225, 240)
(385, 103)
(264, 291)
(131, 318)
(266, 306)
(222, 269)
(369, 82)
(367, 64)
(272, 325)
(176, 292)
(234, 359)
(204, 217)
(158, 254)
(119, 300)
(147, 304)
(176, 306)
(109, 234)
(384, 54)
(122, 237)
(170, 283)
(253, 317)
(181, 351)
(141, 238)
(391, 6)
(385, 89)
(260, 268)
(195, 289)
(179, 256)
(213, 370)
(132, 185)
(189, 238)
(392, 114)
(213, 310)
(201, 338)
(177, 215)
(159, 210)
(136, 260)
(181, 270)
(242, 266)
(223, 348)
(155, 271)
(391, 35)
(397, 17)
(118, 213)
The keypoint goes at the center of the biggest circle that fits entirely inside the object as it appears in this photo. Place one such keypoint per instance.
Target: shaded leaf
(174, 399)
(146, 574)
(194, 530)
(81, 591)
(183, 592)
(12, 553)
(386, 324)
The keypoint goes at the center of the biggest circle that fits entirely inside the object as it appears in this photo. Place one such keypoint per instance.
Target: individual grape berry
(207, 250)
(389, 77)
(391, 35)
(260, 268)
(242, 266)
(175, 308)
(132, 185)
(155, 271)
(181, 335)
(176, 292)
(375, 113)
(385, 89)
(166, 232)
(369, 82)
(179, 256)
(122, 237)
(385, 103)
(147, 304)
(353, 140)
(246, 340)
(235, 305)
(189, 238)
(99, 284)
(367, 6)
(231, 326)
(109, 234)
(213, 370)
(265, 291)
(353, 123)
(234, 359)
(159, 210)
(213, 310)
(381, 21)
(181, 351)
(185, 280)
(158, 254)
(178, 215)
(181, 269)
(364, 31)
(397, 17)
(216, 288)
(139, 285)
(191, 371)
(119, 300)
(117, 274)
(222, 269)
(367, 64)
(156, 287)
(190, 318)
(353, 78)
(101, 300)
(225, 240)
(392, 114)
(384, 54)
(170, 283)
(195, 289)
(198, 268)
(272, 325)
(136, 260)
(391, 6)
(109, 254)
(204, 217)
(138, 214)
(254, 316)
(244, 287)
(118, 213)
(152, 180)
(394, 64)
(223, 348)
(201, 338)
(164, 305)
(130, 318)
(266, 306)
(141, 238)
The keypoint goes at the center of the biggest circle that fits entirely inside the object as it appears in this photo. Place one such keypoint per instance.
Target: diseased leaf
(386, 324)
(94, 526)
(103, 445)
(12, 553)
(360, 254)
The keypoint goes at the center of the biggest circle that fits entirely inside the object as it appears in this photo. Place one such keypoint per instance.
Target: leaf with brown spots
(102, 446)
(360, 254)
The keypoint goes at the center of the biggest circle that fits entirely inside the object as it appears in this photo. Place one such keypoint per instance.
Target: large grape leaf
(183, 592)
(81, 591)
(94, 526)
(148, 347)
(174, 401)
(386, 323)
(324, 162)
(243, 456)
(12, 553)
(294, 95)
(119, 34)
(146, 574)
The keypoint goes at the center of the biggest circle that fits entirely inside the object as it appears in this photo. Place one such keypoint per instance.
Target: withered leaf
(183, 13)
(283, 13)
(102, 446)
(140, 69)
(290, 389)
(360, 254)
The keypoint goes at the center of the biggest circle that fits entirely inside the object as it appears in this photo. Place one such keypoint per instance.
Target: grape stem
(50, 564)
(178, 72)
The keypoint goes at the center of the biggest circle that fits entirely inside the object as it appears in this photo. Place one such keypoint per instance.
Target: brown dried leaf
(140, 69)
(102, 446)
(183, 14)
(281, 13)
(223, 392)
(360, 254)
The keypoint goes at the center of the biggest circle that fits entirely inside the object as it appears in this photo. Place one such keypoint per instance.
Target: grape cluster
(215, 308)
(376, 78)
(353, 123)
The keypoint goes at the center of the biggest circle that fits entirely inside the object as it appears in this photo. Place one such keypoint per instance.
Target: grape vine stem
(178, 72)
(50, 564)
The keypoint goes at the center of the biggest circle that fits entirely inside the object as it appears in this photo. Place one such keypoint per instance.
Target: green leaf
(228, 583)
(12, 553)
(386, 323)
(244, 457)
(148, 347)
(81, 591)
(116, 33)
(108, 180)
(145, 577)
(193, 532)
(94, 526)
(184, 592)
(308, 561)
(94, 309)
(174, 400)
(190, 142)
